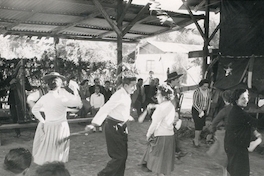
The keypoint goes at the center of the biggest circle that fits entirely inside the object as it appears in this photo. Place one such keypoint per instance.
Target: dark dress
(217, 150)
(239, 128)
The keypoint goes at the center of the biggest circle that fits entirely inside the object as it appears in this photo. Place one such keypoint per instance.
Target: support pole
(119, 41)
(56, 41)
(206, 37)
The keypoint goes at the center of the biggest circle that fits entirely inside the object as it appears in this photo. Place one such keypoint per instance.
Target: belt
(119, 122)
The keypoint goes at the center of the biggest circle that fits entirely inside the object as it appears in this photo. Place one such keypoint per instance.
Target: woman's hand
(151, 106)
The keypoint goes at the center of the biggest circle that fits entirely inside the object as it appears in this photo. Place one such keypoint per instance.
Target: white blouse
(54, 105)
(162, 120)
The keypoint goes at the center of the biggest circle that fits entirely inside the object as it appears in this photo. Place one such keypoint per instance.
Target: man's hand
(147, 137)
(89, 127)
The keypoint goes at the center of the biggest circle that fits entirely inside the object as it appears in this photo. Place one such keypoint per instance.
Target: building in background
(161, 56)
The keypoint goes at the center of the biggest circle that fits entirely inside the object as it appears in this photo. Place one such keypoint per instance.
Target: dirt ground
(88, 153)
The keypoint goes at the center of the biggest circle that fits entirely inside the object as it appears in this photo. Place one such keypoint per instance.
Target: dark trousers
(116, 141)
(14, 115)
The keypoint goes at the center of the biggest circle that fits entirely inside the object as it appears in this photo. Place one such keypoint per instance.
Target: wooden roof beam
(124, 11)
(199, 6)
(108, 19)
(166, 30)
(110, 32)
(194, 20)
(214, 32)
(135, 20)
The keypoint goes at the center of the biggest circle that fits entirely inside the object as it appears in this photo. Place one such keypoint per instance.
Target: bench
(34, 124)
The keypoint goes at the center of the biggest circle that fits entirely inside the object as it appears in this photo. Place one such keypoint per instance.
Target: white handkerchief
(201, 114)
(178, 124)
(254, 144)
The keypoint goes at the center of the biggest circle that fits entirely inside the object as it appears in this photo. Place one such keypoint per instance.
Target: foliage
(35, 69)
(83, 59)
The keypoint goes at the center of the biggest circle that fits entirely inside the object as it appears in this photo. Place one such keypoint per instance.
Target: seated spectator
(52, 169)
(17, 161)
(97, 101)
(96, 83)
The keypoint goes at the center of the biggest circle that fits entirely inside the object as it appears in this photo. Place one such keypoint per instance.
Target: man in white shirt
(116, 112)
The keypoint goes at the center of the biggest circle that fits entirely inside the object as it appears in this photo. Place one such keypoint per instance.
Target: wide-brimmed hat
(172, 76)
(52, 75)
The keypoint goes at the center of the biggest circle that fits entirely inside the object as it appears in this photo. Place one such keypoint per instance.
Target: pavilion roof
(81, 19)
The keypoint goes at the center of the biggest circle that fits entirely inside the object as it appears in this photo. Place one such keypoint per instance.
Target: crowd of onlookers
(162, 104)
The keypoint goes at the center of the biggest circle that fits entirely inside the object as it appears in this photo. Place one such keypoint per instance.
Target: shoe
(144, 168)
(178, 161)
(195, 146)
(180, 154)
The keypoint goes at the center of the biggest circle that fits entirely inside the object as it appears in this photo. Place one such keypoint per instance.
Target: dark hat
(52, 75)
(172, 76)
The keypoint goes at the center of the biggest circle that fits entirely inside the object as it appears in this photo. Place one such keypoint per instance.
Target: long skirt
(46, 145)
(160, 155)
(238, 160)
(217, 150)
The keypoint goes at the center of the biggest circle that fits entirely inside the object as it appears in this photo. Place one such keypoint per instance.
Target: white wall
(162, 62)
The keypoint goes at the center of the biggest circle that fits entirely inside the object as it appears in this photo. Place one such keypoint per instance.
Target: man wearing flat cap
(174, 81)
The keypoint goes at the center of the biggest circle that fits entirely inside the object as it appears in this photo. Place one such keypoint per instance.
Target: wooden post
(206, 37)
(56, 41)
(119, 41)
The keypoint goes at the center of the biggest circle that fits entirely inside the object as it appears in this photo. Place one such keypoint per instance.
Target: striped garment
(201, 102)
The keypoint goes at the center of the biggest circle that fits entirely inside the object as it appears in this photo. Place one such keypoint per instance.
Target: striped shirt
(200, 101)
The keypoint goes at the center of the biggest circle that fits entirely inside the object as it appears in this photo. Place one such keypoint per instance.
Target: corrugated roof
(167, 47)
(80, 19)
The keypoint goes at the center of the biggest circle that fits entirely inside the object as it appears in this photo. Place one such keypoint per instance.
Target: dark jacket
(239, 128)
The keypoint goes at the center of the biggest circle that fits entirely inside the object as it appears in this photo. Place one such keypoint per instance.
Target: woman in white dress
(54, 126)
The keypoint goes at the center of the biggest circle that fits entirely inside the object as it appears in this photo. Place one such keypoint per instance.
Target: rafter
(106, 16)
(195, 21)
(135, 20)
(124, 11)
